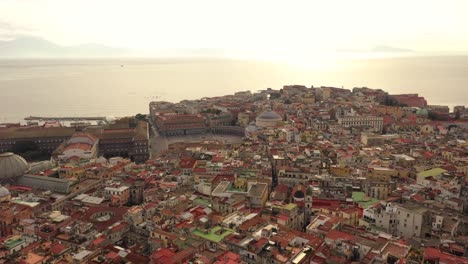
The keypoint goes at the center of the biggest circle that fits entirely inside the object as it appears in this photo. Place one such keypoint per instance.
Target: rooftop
(13, 242)
(216, 234)
(432, 172)
(363, 200)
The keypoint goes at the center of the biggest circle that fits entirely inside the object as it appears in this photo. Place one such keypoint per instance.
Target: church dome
(12, 166)
(422, 112)
(269, 115)
(268, 118)
(4, 194)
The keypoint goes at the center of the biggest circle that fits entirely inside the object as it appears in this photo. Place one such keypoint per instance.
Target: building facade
(362, 121)
(46, 139)
(178, 125)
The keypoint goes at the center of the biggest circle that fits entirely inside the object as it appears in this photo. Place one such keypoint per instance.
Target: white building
(362, 121)
(398, 220)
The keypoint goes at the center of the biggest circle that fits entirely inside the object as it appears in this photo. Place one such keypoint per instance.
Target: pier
(67, 118)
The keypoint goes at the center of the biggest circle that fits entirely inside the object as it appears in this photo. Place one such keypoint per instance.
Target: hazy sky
(237, 26)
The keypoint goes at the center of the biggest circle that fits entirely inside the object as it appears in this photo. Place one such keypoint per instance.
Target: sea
(122, 87)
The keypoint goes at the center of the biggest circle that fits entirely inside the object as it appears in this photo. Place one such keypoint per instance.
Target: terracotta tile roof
(336, 235)
(82, 146)
(58, 248)
(119, 227)
(436, 254)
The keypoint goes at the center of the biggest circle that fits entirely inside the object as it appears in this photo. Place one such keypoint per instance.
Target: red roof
(82, 146)
(98, 241)
(187, 163)
(119, 227)
(112, 255)
(162, 256)
(418, 198)
(261, 243)
(436, 254)
(338, 235)
(58, 248)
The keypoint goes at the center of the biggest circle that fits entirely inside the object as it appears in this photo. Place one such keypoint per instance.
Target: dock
(67, 118)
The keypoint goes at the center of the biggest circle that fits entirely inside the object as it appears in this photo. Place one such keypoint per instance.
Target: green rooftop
(216, 234)
(432, 172)
(288, 207)
(202, 201)
(363, 200)
(13, 242)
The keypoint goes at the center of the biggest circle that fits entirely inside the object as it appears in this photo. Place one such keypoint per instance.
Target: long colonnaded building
(124, 141)
(46, 138)
(178, 124)
(375, 122)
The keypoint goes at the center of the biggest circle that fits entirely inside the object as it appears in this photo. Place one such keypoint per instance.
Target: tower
(308, 202)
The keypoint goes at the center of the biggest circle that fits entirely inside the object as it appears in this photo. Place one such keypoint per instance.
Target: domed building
(422, 112)
(12, 166)
(251, 129)
(268, 118)
(5, 195)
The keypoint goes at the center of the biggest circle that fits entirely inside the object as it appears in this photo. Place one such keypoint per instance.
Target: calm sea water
(125, 87)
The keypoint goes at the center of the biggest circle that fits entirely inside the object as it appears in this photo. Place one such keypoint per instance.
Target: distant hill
(378, 49)
(30, 47)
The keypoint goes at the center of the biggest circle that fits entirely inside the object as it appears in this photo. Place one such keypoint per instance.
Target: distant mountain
(389, 49)
(377, 49)
(30, 47)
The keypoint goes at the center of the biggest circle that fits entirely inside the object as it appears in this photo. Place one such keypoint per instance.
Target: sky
(241, 28)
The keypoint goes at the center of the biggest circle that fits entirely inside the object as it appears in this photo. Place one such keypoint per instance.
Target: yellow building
(340, 170)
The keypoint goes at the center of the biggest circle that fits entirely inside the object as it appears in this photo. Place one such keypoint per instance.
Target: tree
(141, 117)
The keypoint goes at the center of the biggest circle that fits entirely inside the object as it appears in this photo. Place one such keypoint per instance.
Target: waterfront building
(46, 139)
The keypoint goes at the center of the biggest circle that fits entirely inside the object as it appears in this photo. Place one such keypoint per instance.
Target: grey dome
(12, 166)
(422, 112)
(4, 192)
(269, 115)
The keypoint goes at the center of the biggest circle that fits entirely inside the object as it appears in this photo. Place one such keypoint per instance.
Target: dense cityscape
(294, 175)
